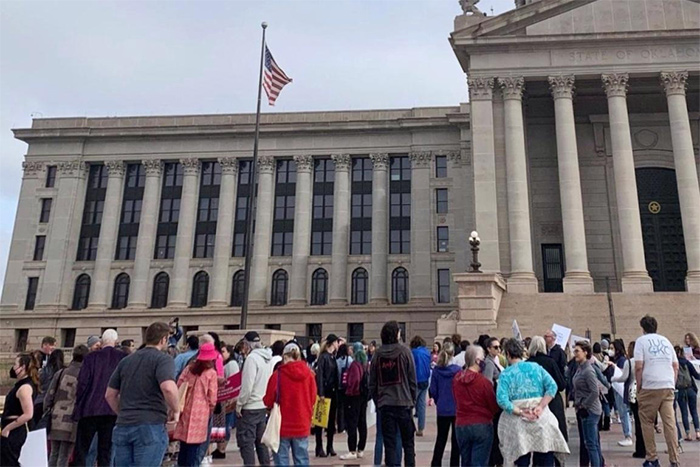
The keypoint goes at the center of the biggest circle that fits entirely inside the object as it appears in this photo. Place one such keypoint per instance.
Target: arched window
(161, 287)
(81, 294)
(280, 281)
(200, 290)
(120, 296)
(237, 288)
(319, 287)
(399, 286)
(359, 287)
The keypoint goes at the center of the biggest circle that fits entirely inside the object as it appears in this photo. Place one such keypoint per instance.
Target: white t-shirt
(658, 356)
(458, 360)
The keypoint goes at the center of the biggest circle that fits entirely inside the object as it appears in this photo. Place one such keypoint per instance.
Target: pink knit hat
(207, 352)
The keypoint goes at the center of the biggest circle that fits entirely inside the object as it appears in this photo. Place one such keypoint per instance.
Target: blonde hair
(693, 339)
(537, 345)
(446, 354)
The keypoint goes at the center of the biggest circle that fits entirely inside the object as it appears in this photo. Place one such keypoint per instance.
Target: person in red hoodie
(297, 393)
(476, 406)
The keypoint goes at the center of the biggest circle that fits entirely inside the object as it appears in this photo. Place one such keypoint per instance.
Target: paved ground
(614, 454)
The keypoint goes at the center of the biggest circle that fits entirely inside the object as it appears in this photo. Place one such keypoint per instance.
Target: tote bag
(322, 409)
(271, 437)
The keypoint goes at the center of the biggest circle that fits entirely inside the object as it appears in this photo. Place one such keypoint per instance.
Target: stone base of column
(338, 302)
(578, 282)
(300, 302)
(257, 304)
(692, 282)
(178, 305)
(217, 304)
(522, 283)
(379, 301)
(637, 282)
(421, 301)
(137, 306)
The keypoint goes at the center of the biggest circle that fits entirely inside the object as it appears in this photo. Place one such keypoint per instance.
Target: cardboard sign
(563, 334)
(231, 389)
(516, 331)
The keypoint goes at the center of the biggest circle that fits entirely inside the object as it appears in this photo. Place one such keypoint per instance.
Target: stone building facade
(576, 159)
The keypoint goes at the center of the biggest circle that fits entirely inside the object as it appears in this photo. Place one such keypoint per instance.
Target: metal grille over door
(553, 262)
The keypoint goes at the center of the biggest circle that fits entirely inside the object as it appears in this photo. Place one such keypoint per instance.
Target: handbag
(271, 437)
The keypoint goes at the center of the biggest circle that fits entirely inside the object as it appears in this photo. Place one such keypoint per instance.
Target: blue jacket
(441, 389)
(421, 357)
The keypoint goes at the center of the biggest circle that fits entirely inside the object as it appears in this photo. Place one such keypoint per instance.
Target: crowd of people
(499, 401)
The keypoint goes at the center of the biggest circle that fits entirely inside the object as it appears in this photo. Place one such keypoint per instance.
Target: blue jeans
(202, 450)
(475, 443)
(688, 399)
(539, 459)
(590, 436)
(139, 445)
(624, 411)
(421, 400)
(379, 443)
(230, 424)
(187, 457)
(300, 451)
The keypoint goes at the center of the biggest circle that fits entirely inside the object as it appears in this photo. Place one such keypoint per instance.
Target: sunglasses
(497, 347)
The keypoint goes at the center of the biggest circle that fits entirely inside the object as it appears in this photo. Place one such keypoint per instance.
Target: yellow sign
(322, 410)
(654, 207)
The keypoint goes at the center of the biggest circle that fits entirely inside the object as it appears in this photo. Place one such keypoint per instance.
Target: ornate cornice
(153, 167)
(342, 161)
(380, 160)
(266, 164)
(562, 86)
(32, 168)
(190, 166)
(115, 168)
(229, 165)
(455, 157)
(304, 163)
(421, 159)
(480, 88)
(512, 87)
(71, 168)
(674, 82)
(615, 84)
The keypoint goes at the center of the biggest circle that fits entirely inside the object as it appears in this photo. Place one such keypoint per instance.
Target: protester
(48, 344)
(277, 348)
(656, 368)
(327, 387)
(555, 351)
(293, 387)
(144, 395)
(231, 367)
(54, 364)
(371, 348)
(250, 408)
(356, 397)
(492, 362)
(175, 333)
(393, 388)
(19, 408)
(59, 404)
(92, 412)
(128, 346)
(184, 358)
(435, 353)
(441, 392)
(94, 343)
(193, 425)
(687, 394)
(538, 354)
(313, 355)
(421, 358)
(691, 340)
(622, 400)
(343, 360)
(639, 448)
(587, 402)
(527, 428)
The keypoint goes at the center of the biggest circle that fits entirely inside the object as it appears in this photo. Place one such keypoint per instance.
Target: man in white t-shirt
(656, 370)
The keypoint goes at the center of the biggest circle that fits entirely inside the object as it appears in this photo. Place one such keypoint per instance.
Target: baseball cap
(92, 340)
(252, 336)
(331, 338)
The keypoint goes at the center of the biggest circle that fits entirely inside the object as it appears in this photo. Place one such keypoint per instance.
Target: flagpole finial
(264, 25)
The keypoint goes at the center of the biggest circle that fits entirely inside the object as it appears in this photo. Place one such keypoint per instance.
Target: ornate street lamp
(475, 241)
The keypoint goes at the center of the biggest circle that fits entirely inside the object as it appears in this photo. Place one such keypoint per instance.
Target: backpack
(364, 385)
(344, 376)
(684, 381)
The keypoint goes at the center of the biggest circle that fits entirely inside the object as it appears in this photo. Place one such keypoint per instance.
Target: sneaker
(625, 442)
(348, 457)
(654, 463)
(205, 462)
(360, 454)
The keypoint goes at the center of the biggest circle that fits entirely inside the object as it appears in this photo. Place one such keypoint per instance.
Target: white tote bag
(34, 452)
(271, 437)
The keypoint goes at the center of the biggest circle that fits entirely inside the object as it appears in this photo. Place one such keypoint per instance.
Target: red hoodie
(297, 397)
(475, 398)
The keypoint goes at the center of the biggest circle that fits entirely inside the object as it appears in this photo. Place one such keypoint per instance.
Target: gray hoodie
(256, 371)
(392, 376)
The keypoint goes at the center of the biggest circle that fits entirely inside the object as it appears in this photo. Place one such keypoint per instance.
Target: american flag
(274, 78)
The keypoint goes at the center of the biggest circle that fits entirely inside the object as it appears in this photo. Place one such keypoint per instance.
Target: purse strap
(277, 399)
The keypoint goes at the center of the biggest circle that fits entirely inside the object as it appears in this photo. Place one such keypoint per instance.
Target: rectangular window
(165, 246)
(553, 264)
(282, 243)
(87, 248)
(443, 281)
(400, 241)
(400, 205)
(21, 337)
(440, 166)
(126, 247)
(32, 287)
(443, 239)
(322, 219)
(361, 207)
(173, 174)
(98, 177)
(135, 176)
(92, 212)
(204, 245)
(169, 216)
(285, 199)
(50, 176)
(39, 244)
(356, 332)
(321, 243)
(314, 331)
(170, 210)
(441, 201)
(243, 193)
(274, 327)
(131, 211)
(232, 327)
(208, 210)
(45, 210)
(67, 337)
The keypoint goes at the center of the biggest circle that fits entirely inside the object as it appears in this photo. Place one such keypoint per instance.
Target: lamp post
(475, 241)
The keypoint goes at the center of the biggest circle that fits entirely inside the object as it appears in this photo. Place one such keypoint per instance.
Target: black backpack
(684, 380)
(364, 385)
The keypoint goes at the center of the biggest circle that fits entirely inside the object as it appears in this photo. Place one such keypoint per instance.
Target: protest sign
(562, 334)
(516, 331)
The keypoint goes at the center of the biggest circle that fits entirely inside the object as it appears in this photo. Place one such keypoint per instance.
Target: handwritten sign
(562, 334)
(516, 331)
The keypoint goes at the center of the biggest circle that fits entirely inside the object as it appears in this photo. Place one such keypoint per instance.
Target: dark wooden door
(553, 264)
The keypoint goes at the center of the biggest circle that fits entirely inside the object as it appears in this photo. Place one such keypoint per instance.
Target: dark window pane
(161, 285)
(81, 294)
(440, 166)
(32, 287)
(45, 210)
(444, 286)
(200, 290)
(39, 244)
(50, 176)
(279, 288)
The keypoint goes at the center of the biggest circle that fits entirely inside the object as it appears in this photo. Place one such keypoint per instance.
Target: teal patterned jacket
(524, 380)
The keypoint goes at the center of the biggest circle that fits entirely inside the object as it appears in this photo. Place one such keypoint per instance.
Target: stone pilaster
(301, 247)
(341, 230)
(421, 229)
(263, 228)
(635, 278)
(522, 278)
(99, 296)
(674, 84)
(224, 231)
(578, 278)
(380, 224)
(180, 283)
(145, 245)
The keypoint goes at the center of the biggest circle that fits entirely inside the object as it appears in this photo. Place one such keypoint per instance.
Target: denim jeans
(230, 424)
(624, 411)
(187, 457)
(475, 443)
(202, 450)
(139, 445)
(379, 443)
(395, 420)
(300, 451)
(688, 399)
(590, 437)
(539, 459)
(421, 400)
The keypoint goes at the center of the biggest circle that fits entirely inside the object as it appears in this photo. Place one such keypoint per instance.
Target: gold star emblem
(654, 207)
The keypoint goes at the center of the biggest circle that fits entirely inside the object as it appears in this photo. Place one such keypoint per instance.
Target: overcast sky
(118, 58)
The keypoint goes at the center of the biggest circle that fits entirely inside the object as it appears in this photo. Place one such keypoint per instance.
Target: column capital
(342, 161)
(304, 163)
(153, 167)
(229, 165)
(512, 87)
(562, 86)
(480, 88)
(32, 168)
(116, 168)
(266, 164)
(615, 84)
(421, 159)
(380, 160)
(190, 166)
(71, 168)
(674, 82)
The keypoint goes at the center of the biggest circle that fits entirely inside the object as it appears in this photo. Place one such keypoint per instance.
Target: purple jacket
(94, 375)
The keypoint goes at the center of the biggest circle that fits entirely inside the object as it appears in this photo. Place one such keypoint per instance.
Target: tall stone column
(635, 278)
(485, 192)
(99, 297)
(263, 229)
(224, 231)
(185, 234)
(145, 245)
(301, 247)
(380, 223)
(686, 176)
(421, 230)
(578, 278)
(522, 278)
(341, 230)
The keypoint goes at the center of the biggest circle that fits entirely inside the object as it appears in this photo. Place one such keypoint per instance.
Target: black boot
(606, 423)
(319, 443)
(329, 449)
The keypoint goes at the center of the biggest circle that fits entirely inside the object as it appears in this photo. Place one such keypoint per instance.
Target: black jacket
(326, 375)
(557, 353)
(556, 406)
(392, 377)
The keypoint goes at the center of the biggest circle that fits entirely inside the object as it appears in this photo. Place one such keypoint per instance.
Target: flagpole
(250, 215)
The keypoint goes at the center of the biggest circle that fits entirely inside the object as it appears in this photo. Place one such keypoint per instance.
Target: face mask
(13, 373)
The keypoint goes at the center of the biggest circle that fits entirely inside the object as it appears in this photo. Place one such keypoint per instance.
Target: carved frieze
(342, 161)
(71, 168)
(304, 163)
(229, 165)
(380, 161)
(32, 168)
(562, 86)
(266, 164)
(153, 167)
(480, 88)
(674, 82)
(190, 166)
(512, 87)
(115, 168)
(615, 84)
(421, 159)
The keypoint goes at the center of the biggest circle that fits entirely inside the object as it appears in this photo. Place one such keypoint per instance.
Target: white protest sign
(34, 450)
(574, 339)
(516, 331)
(562, 334)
